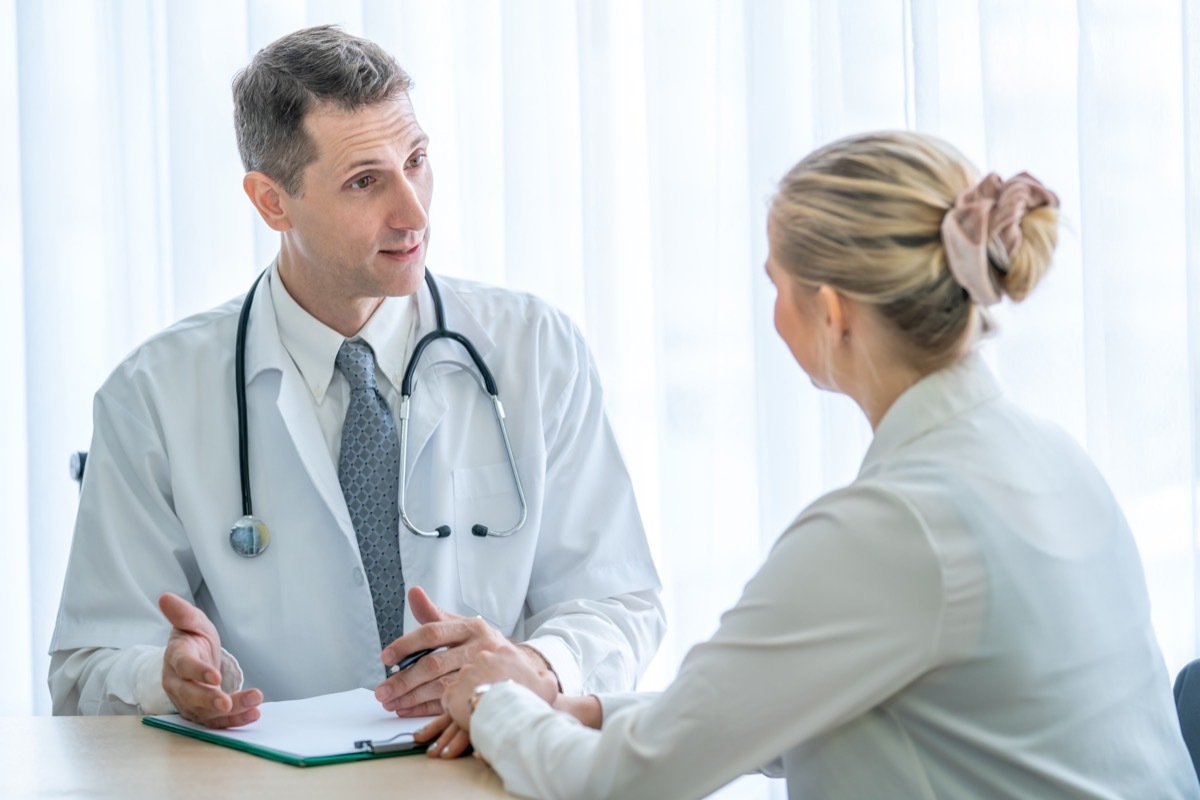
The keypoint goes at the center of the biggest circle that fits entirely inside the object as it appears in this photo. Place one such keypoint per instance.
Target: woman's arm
(846, 612)
(585, 708)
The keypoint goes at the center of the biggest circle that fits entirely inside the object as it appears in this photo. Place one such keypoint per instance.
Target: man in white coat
(160, 611)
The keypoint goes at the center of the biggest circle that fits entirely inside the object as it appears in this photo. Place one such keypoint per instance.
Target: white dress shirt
(968, 618)
(313, 347)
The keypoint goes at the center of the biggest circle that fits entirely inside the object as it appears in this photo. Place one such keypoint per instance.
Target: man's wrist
(550, 686)
(563, 659)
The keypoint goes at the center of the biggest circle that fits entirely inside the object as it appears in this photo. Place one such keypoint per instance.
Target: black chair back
(78, 462)
(1187, 705)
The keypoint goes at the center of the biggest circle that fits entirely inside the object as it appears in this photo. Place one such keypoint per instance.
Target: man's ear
(267, 196)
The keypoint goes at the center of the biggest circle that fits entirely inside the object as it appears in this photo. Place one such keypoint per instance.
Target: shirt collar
(313, 346)
(930, 402)
(388, 332)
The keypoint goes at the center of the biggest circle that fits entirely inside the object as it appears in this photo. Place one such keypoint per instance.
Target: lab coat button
(358, 576)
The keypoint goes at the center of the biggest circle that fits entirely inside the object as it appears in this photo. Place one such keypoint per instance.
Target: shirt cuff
(148, 688)
(231, 673)
(504, 711)
(562, 660)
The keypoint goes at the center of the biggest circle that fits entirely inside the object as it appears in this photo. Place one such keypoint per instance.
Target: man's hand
(418, 690)
(192, 670)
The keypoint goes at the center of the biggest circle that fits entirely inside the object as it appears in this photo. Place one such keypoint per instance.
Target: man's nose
(408, 210)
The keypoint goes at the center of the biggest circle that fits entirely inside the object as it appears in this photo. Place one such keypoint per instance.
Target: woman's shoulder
(901, 554)
(871, 516)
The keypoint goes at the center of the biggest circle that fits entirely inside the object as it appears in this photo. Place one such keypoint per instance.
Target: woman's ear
(833, 314)
(267, 197)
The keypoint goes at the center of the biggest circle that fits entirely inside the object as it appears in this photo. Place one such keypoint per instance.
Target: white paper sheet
(319, 726)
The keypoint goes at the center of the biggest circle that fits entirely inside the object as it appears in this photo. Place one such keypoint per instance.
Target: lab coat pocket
(493, 571)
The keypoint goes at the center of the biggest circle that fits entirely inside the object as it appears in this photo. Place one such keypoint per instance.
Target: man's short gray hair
(292, 75)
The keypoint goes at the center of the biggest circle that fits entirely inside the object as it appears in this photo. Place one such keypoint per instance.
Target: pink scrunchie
(990, 211)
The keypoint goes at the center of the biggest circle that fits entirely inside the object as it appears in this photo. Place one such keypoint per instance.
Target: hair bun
(984, 235)
(1028, 263)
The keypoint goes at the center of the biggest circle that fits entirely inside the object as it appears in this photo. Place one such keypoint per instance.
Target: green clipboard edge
(274, 755)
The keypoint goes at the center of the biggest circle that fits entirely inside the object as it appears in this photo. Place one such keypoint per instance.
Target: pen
(408, 661)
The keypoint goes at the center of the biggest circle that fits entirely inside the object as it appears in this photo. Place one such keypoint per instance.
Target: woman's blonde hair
(863, 215)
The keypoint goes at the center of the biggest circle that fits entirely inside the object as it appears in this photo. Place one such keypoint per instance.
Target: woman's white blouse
(968, 618)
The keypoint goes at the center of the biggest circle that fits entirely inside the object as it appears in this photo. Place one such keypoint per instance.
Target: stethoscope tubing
(489, 386)
(239, 369)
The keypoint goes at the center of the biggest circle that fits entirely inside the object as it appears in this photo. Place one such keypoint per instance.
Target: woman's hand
(510, 662)
(449, 740)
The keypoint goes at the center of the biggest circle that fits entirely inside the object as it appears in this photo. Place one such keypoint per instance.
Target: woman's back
(1045, 678)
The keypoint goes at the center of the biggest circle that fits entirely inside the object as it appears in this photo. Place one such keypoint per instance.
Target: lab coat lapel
(460, 318)
(265, 351)
(429, 405)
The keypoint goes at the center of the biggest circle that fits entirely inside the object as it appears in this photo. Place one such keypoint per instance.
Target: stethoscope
(250, 536)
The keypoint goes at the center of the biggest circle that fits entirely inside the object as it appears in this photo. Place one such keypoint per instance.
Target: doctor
(162, 608)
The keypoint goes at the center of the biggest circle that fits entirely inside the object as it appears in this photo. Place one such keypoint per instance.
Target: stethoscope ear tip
(443, 531)
(479, 530)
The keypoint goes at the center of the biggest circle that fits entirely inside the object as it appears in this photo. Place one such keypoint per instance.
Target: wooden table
(119, 757)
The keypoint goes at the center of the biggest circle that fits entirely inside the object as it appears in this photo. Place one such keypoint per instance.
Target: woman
(968, 618)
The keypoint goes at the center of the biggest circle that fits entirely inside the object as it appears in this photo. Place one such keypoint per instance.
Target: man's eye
(417, 160)
(363, 182)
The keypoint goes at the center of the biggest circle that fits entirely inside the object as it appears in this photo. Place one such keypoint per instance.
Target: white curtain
(616, 157)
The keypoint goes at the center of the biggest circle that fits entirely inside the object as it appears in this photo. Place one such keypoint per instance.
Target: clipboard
(328, 729)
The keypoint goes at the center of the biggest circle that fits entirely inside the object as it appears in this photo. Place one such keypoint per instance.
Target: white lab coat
(162, 489)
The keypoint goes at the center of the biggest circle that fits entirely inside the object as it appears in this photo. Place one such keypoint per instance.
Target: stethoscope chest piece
(249, 537)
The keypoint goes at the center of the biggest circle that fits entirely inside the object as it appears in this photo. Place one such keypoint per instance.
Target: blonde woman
(967, 619)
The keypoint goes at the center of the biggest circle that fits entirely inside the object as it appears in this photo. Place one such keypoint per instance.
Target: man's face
(360, 226)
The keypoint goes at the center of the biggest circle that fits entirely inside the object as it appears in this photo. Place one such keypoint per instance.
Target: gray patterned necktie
(369, 471)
